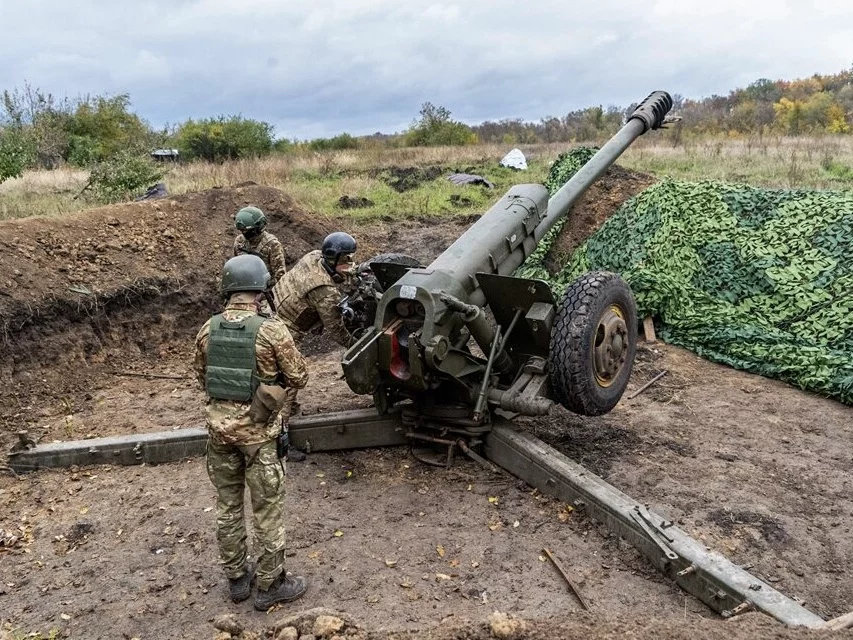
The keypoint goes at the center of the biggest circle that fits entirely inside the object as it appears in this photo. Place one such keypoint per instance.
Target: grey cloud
(329, 66)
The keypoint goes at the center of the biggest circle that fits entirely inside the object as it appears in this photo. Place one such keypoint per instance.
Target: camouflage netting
(757, 279)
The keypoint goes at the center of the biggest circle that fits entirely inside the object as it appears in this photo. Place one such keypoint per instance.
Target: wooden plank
(649, 329)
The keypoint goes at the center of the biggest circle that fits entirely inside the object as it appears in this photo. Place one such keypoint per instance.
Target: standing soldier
(247, 362)
(250, 222)
(307, 296)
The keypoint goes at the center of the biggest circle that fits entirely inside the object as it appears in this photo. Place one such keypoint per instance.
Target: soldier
(247, 363)
(250, 222)
(307, 297)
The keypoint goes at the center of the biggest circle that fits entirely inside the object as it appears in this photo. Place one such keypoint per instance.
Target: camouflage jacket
(228, 422)
(307, 297)
(267, 247)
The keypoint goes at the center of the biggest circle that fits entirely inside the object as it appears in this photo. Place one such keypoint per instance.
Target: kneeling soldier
(307, 296)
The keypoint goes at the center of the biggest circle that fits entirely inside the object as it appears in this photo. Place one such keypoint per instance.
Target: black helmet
(335, 246)
(245, 272)
(250, 221)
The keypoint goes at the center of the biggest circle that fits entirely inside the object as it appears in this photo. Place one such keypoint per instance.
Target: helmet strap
(260, 298)
(330, 269)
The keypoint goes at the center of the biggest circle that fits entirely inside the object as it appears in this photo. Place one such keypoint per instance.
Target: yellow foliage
(789, 115)
(837, 120)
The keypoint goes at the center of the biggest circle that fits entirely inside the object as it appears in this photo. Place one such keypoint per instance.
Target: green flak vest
(232, 369)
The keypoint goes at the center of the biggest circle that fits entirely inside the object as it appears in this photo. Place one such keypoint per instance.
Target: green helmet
(250, 221)
(245, 272)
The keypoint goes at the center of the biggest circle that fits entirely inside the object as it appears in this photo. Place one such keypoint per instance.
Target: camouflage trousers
(231, 468)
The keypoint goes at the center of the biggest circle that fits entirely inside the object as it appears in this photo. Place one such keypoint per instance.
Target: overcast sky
(321, 67)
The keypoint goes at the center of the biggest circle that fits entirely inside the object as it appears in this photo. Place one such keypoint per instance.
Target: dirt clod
(228, 623)
(407, 178)
(505, 626)
(287, 633)
(326, 625)
(354, 202)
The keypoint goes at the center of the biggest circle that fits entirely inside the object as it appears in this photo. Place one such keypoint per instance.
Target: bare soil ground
(758, 470)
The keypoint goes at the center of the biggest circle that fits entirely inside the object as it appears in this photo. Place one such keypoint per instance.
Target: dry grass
(283, 170)
(770, 161)
(42, 193)
(317, 180)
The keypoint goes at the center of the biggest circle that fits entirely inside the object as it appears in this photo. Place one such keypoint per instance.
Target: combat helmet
(245, 272)
(335, 247)
(250, 221)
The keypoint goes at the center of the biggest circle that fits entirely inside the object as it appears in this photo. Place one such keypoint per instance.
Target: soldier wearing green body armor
(255, 240)
(307, 297)
(249, 366)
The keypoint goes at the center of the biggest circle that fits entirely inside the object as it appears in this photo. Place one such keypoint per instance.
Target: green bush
(339, 142)
(82, 151)
(16, 153)
(220, 139)
(87, 130)
(437, 128)
(285, 146)
(101, 127)
(123, 176)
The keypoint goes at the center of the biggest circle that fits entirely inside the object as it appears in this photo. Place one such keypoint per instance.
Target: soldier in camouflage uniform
(243, 358)
(307, 296)
(254, 240)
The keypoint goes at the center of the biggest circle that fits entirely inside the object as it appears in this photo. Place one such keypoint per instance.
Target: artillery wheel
(593, 343)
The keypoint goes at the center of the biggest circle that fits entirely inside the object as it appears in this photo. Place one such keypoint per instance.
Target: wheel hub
(610, 348)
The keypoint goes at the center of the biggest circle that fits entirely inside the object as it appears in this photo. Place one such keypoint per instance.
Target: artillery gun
(432, 358)
(456, 340)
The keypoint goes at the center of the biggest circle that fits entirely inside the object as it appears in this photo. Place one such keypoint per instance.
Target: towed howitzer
(418, 354)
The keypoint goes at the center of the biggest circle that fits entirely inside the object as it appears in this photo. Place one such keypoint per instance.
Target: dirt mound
(104, 250)
(598, 203)
(354, 202)
(93, 292)
(407, 178)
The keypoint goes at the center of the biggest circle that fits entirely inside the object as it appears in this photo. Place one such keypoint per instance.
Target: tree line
(38, 130)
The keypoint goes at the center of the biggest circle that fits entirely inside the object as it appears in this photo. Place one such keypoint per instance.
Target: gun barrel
(648, 115)
(501, 240)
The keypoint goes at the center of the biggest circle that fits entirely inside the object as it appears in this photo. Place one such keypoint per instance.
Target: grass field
(317, 181)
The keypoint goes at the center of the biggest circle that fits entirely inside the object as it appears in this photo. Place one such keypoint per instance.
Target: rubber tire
(573, 380)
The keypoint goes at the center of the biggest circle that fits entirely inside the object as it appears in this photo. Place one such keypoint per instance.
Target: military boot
(284, 589)
(241, 588)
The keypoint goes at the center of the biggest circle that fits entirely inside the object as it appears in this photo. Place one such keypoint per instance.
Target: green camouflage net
(757, 279)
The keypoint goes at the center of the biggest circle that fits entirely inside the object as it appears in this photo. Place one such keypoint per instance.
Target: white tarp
(515, 160)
